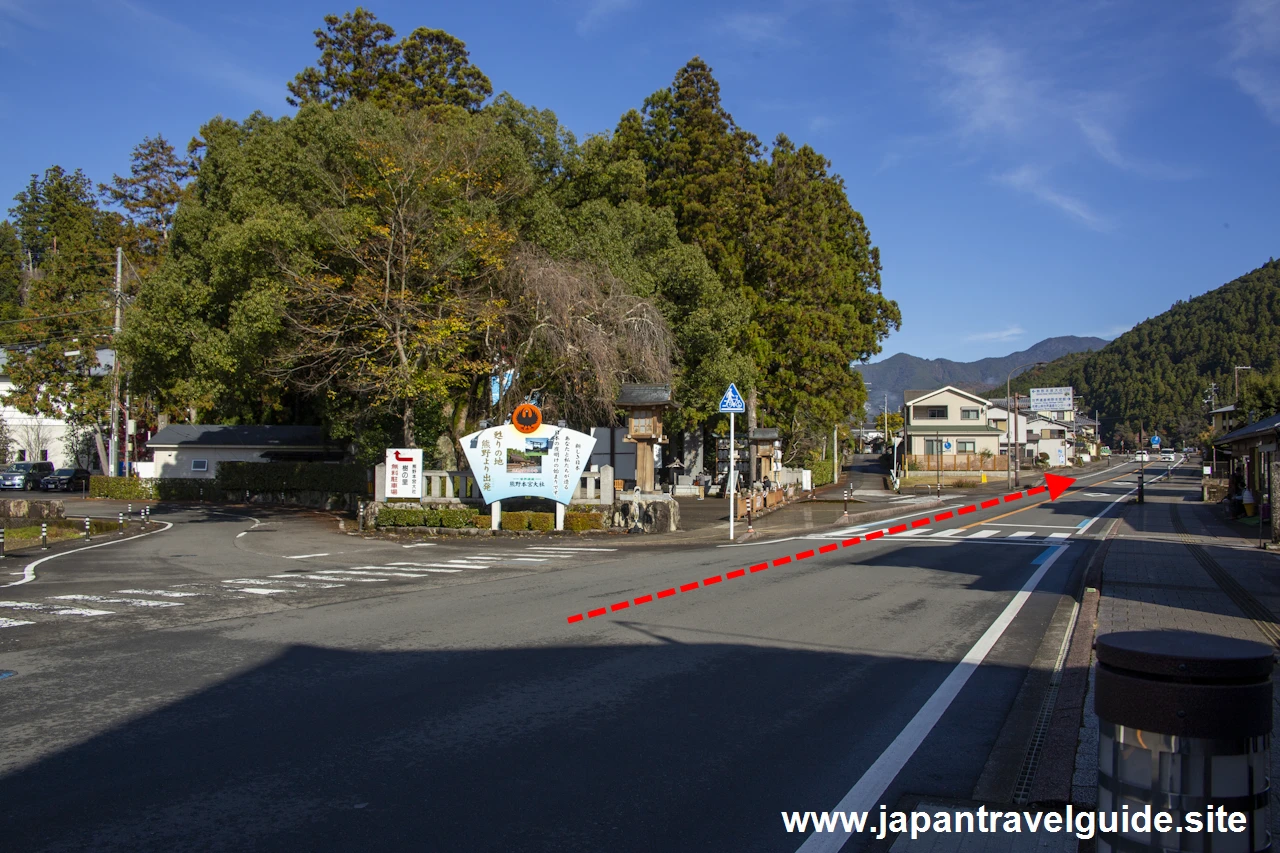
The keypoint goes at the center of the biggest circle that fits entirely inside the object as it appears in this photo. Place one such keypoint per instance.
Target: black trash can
(1184, 725)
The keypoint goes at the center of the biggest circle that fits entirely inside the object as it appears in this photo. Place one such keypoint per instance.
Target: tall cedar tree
(360, 61)
(69, 302)
(151, 192)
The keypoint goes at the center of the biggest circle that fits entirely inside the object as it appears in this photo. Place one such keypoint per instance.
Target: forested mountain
(902, 371)
(1157, 376)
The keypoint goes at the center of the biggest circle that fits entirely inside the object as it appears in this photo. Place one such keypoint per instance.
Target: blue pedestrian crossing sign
(1155, 441)
(732, 401)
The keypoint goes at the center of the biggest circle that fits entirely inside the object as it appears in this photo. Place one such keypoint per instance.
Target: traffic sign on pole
(1155, 441)
(732, 401)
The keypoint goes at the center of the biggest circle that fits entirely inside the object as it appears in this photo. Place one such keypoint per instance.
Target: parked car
(24, 475)
(1141, 456)
(66, 480)
(1166, 456)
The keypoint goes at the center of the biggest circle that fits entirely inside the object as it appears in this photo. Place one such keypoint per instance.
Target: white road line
(1022, 534)
(251, 581)
(343, 578)
(136, 602)
(13, 623)
(1059, 535)
(257, 590)
(29, 573)
(381, 574)
(55, 609)
(412, 570)
(941, 533)
(983, 534)
(306, 556)
(916, 532)
(420, 545)
(867, 791)
(164, 593)
(241, 533)
(284, 581)
(569, 548)
(439, 567)
(1044, 526)
(529, 559)
(482, 557)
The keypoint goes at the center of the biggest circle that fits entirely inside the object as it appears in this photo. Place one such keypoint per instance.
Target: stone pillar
(1275, 498)
(495, 515)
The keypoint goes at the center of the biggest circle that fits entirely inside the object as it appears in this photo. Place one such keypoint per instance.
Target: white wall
(177, 462)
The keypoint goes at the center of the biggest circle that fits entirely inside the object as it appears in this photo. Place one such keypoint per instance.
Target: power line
(56, 316)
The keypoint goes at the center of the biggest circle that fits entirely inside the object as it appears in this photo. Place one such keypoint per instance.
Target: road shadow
(661, 746)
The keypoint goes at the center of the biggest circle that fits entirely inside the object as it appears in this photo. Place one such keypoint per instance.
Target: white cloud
(202, 58)
(1010, 334)
(1254, 59)
(1029, 180)
(755, 28)
(600, 11)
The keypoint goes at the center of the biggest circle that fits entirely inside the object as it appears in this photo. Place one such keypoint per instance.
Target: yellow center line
(1030, 506)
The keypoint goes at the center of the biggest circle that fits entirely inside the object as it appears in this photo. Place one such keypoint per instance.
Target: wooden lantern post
(645, 405)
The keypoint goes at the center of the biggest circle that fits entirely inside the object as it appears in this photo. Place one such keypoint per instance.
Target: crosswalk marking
(259, 581)
(306, 556)
(258, 590)
(984, 534)
(370, 570)
(345, 578)
(1022, 534)
(917, 532)
(13, 623)
(569, 548)
(1059, 535)
(945, 533)
(420, 545)
(292, 580)
(135, 602)
(55, 609)
(422, 567)
(400, 571)
(164, 593)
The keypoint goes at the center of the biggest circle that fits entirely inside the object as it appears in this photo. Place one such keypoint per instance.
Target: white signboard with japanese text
(404, 473)
(1052, 400)
(544, 463)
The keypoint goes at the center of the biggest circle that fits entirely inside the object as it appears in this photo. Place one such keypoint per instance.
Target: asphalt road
(308, 689)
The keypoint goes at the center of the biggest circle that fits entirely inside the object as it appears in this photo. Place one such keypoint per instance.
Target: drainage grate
(1027, 774)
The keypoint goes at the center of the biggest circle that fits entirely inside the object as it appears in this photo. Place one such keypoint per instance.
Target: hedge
(822, 472)
(163, 488)
(542, 521)
(580, 521)
(291, 477)
(515, 520)
(425, 517)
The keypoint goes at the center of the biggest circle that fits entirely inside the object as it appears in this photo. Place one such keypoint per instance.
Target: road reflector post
(122, 524)
(1197, 703)
(87, 537)
(44, 536)
(129, 512)
(1, 542)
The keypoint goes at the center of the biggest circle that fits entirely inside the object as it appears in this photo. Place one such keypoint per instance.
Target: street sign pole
(733, 500)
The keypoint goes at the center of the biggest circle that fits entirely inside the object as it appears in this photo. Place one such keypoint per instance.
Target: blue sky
(1027, 169)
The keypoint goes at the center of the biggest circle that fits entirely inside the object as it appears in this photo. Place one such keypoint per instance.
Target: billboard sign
(511, 460)
(404, 472)
(1052, 400)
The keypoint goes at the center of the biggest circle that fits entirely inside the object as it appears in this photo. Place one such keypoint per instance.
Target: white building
(36, 438)
(194, 450)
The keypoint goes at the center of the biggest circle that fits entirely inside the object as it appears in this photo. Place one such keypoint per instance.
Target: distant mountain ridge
(896, 374)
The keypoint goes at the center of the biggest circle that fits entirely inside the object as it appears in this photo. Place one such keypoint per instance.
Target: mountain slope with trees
(901, 372)
(1156, 377)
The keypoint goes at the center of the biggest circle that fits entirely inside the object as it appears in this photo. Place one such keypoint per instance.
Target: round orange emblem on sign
(526, 418)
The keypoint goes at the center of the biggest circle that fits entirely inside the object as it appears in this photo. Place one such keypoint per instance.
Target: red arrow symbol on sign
(1054, 484)
(400, 458)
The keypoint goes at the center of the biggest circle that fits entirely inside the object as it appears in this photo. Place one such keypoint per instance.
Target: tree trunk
(410, 440)
(102, 450)
(752, 402)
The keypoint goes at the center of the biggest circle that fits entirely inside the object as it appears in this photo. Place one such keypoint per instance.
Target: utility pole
(113, 454)
(1237, 372)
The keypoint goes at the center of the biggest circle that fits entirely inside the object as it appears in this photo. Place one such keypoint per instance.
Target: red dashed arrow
(1055, 485)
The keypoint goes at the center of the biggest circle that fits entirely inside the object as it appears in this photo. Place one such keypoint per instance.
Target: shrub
(482, 522)
(456, 517)
(542, 521)
(120, 488)
(822, 472)
(395, 517)
(515, 520)
(965, 484)
(580, 521)
(185, 489)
